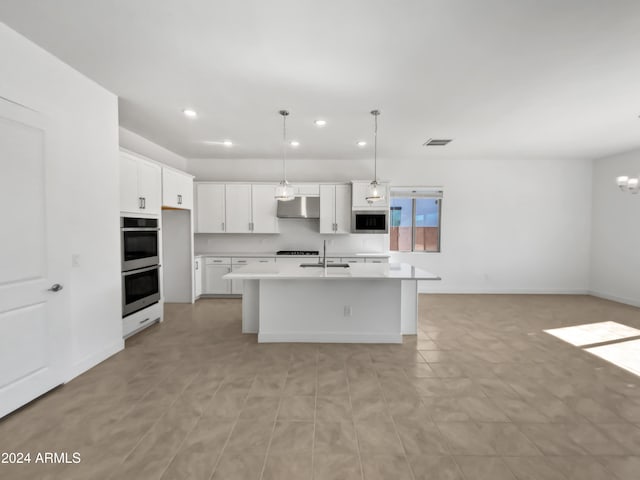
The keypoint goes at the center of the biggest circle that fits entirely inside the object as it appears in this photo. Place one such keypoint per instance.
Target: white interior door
(33, 320)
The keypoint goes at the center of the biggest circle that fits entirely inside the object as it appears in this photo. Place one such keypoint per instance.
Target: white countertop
(279, 271)
(272, 254)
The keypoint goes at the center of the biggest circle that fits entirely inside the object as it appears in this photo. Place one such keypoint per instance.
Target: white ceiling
(503, 78)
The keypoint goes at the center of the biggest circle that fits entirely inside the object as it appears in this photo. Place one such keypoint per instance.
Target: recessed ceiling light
(362, 143)
(320, 123)
(228, 143)
(294, 143)
(189, 113)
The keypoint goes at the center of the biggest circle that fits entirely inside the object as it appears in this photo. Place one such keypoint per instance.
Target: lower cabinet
(197, 283)
(214, 269)
(377, 260)
(236, 263)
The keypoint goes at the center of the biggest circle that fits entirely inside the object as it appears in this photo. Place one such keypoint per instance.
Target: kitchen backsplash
(295, 234)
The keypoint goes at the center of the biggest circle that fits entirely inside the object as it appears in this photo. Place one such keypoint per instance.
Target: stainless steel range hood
(299, 207)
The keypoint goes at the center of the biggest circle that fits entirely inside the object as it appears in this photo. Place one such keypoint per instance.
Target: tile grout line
(273, 428)
(126, 457)
(353, 420)
(315, 419)
(226, 442)
(189, 432)
(393, 422)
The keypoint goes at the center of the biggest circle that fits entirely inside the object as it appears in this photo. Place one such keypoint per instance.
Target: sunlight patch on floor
(624, 354)
(591, 333)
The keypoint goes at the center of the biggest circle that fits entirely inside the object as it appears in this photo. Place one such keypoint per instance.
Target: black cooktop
(298, 252)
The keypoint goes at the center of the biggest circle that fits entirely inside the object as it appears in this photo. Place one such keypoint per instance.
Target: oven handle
(141, 270)
(140, 229)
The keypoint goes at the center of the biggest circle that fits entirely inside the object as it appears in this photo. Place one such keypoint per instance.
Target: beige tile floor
(481, 393)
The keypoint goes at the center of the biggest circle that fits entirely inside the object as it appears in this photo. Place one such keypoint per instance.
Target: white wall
(615, 250)
(84, 138)
(507, 225)
(139, 144)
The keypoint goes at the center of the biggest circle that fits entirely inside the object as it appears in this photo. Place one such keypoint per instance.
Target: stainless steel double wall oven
(140, 263)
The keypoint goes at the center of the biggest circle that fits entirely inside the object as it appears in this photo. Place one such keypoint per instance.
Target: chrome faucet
(324, 254)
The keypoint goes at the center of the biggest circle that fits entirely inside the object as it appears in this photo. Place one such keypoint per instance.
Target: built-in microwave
(370, 221)
(139, 242)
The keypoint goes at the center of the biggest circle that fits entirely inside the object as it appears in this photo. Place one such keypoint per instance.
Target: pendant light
(284, 191)
(375, 194)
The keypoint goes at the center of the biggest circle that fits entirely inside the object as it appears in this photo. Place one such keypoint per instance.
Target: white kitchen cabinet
(264, 209)
(140, 185)
(298, 260)
(335, 209)
(377, 260)
(197, 283)
(353, 260)
(360, 191)
(177, 189)
(210, 208)
(214, 269)
(312, 189)
(238, 262)
(238, 208)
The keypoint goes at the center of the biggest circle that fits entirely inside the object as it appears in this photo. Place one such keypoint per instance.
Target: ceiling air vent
(436, 142)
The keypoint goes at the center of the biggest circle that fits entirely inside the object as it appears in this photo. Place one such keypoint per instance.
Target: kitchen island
(362, 303)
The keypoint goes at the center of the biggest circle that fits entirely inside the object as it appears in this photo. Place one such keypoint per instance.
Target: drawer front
(217, 261)
(249, 260)
(377, 260)
(352, 260)
(298, 260)
(334, 260)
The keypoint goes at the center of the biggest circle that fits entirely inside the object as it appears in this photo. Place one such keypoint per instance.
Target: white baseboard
(503, 291)
(329, 337)
(93, 360)
(615, 298)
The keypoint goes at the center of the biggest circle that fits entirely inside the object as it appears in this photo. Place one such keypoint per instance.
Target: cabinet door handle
(197, 266)
(144, 203)
(222, 226)
(179, 199)
(143, 321)
(140, 202)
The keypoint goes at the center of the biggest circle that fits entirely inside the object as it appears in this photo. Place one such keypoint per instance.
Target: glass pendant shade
(375, 191)
(622, 181)
(374, 194)
(284, 191)
(632, 185)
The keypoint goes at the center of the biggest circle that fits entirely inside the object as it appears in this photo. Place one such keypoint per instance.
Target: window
(415, 220)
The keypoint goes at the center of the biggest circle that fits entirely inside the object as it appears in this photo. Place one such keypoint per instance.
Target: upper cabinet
(140, 185)
(264, 209)
(361, 191)
(305, 189)
(210, 208)
(177, 189)
(335, 209)
(236, 208)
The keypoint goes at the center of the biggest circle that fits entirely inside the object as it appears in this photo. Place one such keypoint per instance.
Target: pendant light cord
(375, 114)
(284, 114)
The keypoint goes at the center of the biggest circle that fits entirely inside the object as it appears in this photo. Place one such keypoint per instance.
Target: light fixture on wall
(284, 191)
(375, 194)
(627, 184)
